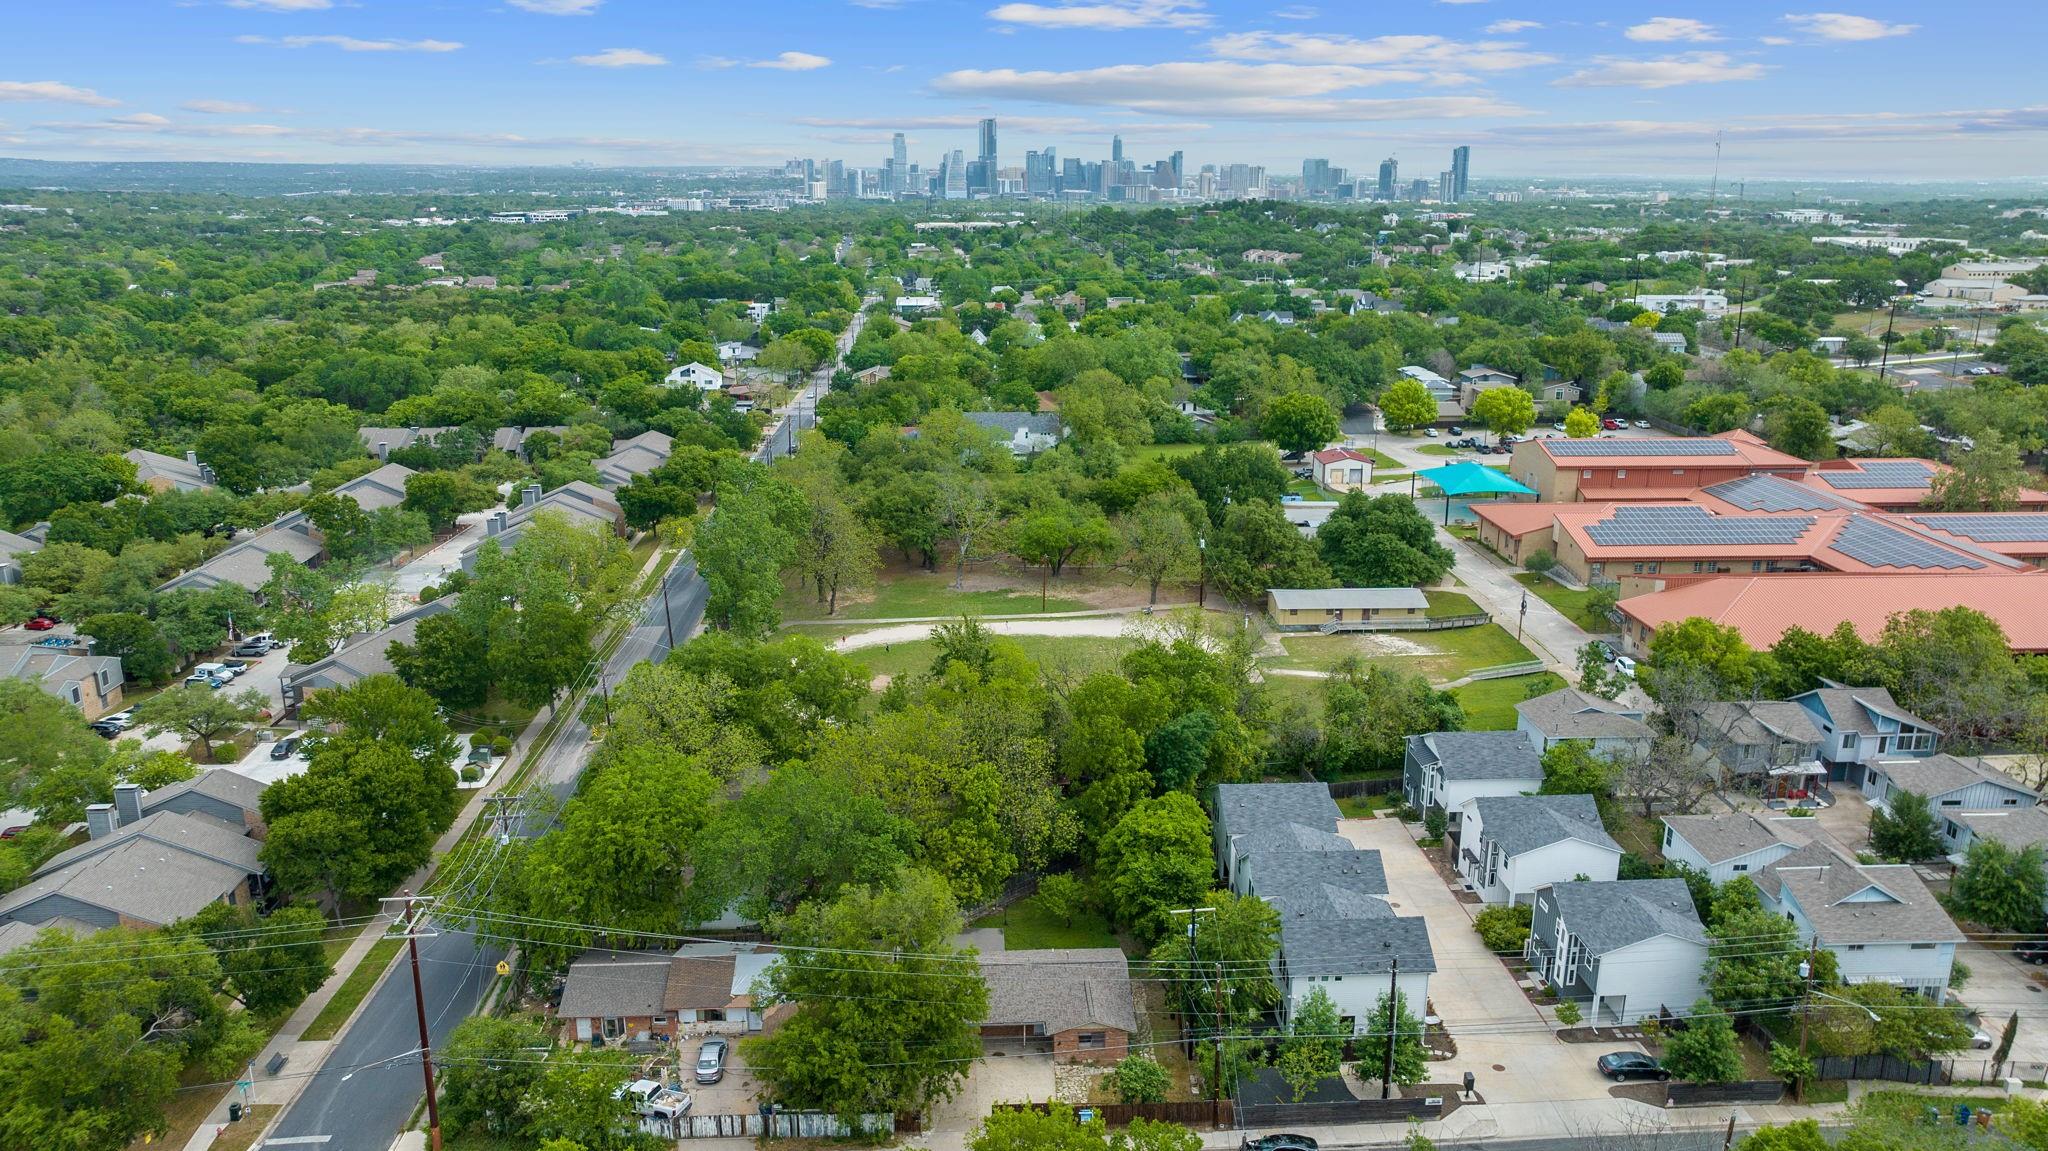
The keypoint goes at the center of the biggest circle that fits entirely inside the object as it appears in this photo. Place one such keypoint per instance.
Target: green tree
(1581, 424)
(1370, 710)
(1257, 548)
(1300, 422)
(1504, 928)
(1999, 887)
(1060, 895)
(1568, 1012)
(1236, 939)
(1140, 1079)
(1058, 532)
(1752, 956)
(441, 496)
(1156, 857)
(578, 1102)
(138, 643)
(487, 1071)
(1407, 404)
(199, 712)
(1411, 1058)
(1313, 1050)
(1789, 1064)
(1381, 541)
(1799, 427)
(1596, 677)
(268, 963)
(1570, 767)
(741, 551)
(1159, 544)
(448, 659)
(856, 1045)
(1987, 477)
(1505, 411)
(1799, 1135)
(1706, 1051)
(1904, 829)
(1698, 649)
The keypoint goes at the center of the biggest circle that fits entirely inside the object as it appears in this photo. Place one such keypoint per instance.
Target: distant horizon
(1547, 90)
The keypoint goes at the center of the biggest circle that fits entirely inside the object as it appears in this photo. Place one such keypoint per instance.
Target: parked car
(13, 830)
(249, 650)
(1557, 426)
(1979, 1037)
(238, 666)
(1613, 425)
(1430, 432)
(1290, 498)
(1277, 1143)
(1456, 430)
(205, 672)
(286, 748)
(123, 720)
(105, 730)
(711, 1060)
(1601, 649)
(2034, 951)
(1626, 1065)
(1643, 424)
(1625, 665)
(41, 623)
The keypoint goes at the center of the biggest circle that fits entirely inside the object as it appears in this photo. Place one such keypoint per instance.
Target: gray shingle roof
(605, 983)
(1466, 755)
(1942, 773)
(17, 935)
(182, 473)
(1062, 988)
(378, 489)
(1761, 722)
(1822, 881)
(198, 835)
(1612, 914)
(1849, 708)
(220, 783)
(1349, 598)
(1523, 823)
(1569, 713)
(1267, 812)
(1010, 423)
(363, 656)
(1719, 838)
(140, 880)
(2019, 828)
(246, 562)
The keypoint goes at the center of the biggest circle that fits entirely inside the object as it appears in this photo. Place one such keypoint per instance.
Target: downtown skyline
(1543, 90)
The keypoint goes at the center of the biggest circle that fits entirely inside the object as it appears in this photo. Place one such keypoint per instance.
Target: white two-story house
(1612, 729)
(1881, 922)
(1445, 768)
(702, 377)
(1949, 783)
(1625, 950)
(1861, 725)
(1736, 843)
(1510, 845)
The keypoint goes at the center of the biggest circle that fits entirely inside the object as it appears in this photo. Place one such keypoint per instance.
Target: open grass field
(1571, 603)
(1490, 703)
(1026, 927)
(1439, 656)
(1079, 655)
(1448, 604)
(242, 1136)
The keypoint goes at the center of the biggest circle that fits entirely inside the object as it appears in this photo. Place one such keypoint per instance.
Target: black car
(2034, 951)
(1625, 1065)
(1278, 1143)
(284, 748)
(106, 730)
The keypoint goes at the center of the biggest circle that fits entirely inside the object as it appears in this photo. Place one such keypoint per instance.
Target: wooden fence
(1189, 1113)
(1696, 1094)
(780, 1125)
(1507, 670)
(1350, 1111)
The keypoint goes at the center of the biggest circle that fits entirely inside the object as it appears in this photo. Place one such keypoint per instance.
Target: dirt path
(1110, 627)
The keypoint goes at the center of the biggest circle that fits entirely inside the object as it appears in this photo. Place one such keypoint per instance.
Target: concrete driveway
(732, 1095)
(1847, 820)
(1012, 1078)
(2000, 985)
(1502, 1038)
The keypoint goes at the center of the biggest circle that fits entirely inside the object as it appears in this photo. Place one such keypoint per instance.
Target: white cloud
(1510, 27)
(282, 5)
(1108, 16)
(620, 58)
(558, 7)
(1220, 89)
(1397, 51)
(1297, 12)
(1663, 29)
(1841, 26)
(793, 62)
(1774, 41)
(1662, 71)
(220, 107)
(50, 91)
(352, 44)
(140, 120)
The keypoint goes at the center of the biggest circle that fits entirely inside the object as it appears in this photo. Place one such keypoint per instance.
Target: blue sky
(1797, 88)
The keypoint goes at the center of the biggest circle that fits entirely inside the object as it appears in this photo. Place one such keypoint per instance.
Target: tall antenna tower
(1713, 200)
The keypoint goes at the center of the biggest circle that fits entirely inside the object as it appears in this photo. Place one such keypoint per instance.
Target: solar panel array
(1772, 494)
(2002, 528)
(1640, 447)
(1881, 545)
(1693, 527)
(1883, 474)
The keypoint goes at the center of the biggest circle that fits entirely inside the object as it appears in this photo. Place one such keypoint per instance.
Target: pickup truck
(208, 672)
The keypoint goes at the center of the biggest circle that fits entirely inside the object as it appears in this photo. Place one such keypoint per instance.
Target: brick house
(1077, 999)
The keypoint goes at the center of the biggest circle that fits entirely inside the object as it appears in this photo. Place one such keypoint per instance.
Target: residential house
(1076, 999)
(162, 473)
(1479, 379)
(1772, 744)
(1734, 843)
(1558, 392)
(1568, 713)
(246, 562)
(737, 352)
(869, 377)
(218, 793)
(1338, 932)
(1625, 949)
(1342, 469)
(1439, 388)
(1673, 342)
(581, 503)
(381, 442)
(2017, 830)
(702, 377)
(1344, 608)
(140, 868)
(1444, 769)
(12, 548)
(1861, 725)
(632, 458)
(1024, 433)
(379, 489)
(513, 440)
(1948, 783)
(637, 996)
(91, 683)
(1881, 922)
(1508, 846)
(359, 657)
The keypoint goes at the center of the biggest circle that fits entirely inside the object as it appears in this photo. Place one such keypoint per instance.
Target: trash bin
(234, 1112)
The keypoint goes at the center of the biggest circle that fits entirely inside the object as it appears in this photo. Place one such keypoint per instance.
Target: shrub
(1504, 929)
(1436, 823)
(1539, 561)
(1568, 1012)
(471, 773)
(1140, 1079)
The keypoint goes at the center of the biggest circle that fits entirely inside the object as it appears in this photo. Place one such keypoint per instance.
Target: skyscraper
(1461, 170)
(899, 158)
(988, 142)
(1116, 149)
(1179, 175)
(1446, 186)
(1315, 176)
(956, 176)
(1390, 178)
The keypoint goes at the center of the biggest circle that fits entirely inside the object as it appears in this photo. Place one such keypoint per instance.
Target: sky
(1795, 89)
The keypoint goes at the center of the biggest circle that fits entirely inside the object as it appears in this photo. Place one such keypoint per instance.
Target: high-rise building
(899, 159)
(1315, 176)
(1390, 178)
(988, 141)
(1446, 186)
(1179, 174)
(1073, 175)
(956, 176)
(1461, 170)
(1418, 190)
(1038, 170)
(1116, 149)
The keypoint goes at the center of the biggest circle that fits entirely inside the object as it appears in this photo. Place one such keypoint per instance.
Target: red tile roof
(1332, 455)
(1764, 607)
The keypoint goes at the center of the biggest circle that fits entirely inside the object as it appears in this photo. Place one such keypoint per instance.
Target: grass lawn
(1566, 600)
(1308, 490)
(1633, 830)
(1490, 703)
(1083, 655)
(1025, 927)
(1364, 806)
(497, 714)
(1911, 1106)
(1437, 655)
(353, 989)
(1445, 604)
(1382, 462)
(926, 594)
(242, 1136)
(186, 1110)
(1437, 450)
(1173, 451)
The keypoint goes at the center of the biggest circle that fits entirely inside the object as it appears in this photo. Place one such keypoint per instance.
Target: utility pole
(1216, 1044)
(1393, 1024)
(1194, 965)
(1728, 1141)
(411, 933)
(1806, 971)
(1886, 358)
(667, 616)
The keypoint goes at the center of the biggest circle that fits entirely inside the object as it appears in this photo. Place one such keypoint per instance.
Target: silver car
(711, 1060)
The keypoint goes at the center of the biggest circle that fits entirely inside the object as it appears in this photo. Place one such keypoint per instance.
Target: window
(1639, 569)
(1654, 566)
(1621, 473)
(1669, 835)
(2012, 803)
(1855, 947)
(661, 1021)
(1093, 1040)
(1587, 474)
(712, 1015)
(1923, 947)
(1951, 803)
(1756, 565)
(1677, 471)
(1699, 566)
(1740, 867)
(1848, 740)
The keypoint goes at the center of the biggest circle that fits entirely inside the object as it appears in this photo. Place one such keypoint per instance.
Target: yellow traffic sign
(504, 968)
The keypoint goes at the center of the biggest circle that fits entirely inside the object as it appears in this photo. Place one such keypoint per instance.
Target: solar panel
(1993, 528)
(1881, 545)
(1883, 474)
(1772, 494)
(1640, 447)
(1693, 527)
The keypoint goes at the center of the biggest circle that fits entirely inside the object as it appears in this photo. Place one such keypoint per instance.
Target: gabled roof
(1719, 838)
(1851, 708)
(379, 489)
(1468, 755)
(1524, 823)
(2018, 827)
(219, 783)
(196, 835)
(1847, 902)
(634, 457)
(1061, 988)
(181, 473)
(138, 879)
(1334, 455)
(1943, 773)
(1349, 598)
(246, 562)
(1609, 915)
(18, 935)
(1010, 423)
(1764, 607)
(604, 983)
(365, 655)
(1727, 450)
(1751, 722)
(1569, 713)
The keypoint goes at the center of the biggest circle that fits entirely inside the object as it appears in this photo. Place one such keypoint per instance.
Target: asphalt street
(363, 1110)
